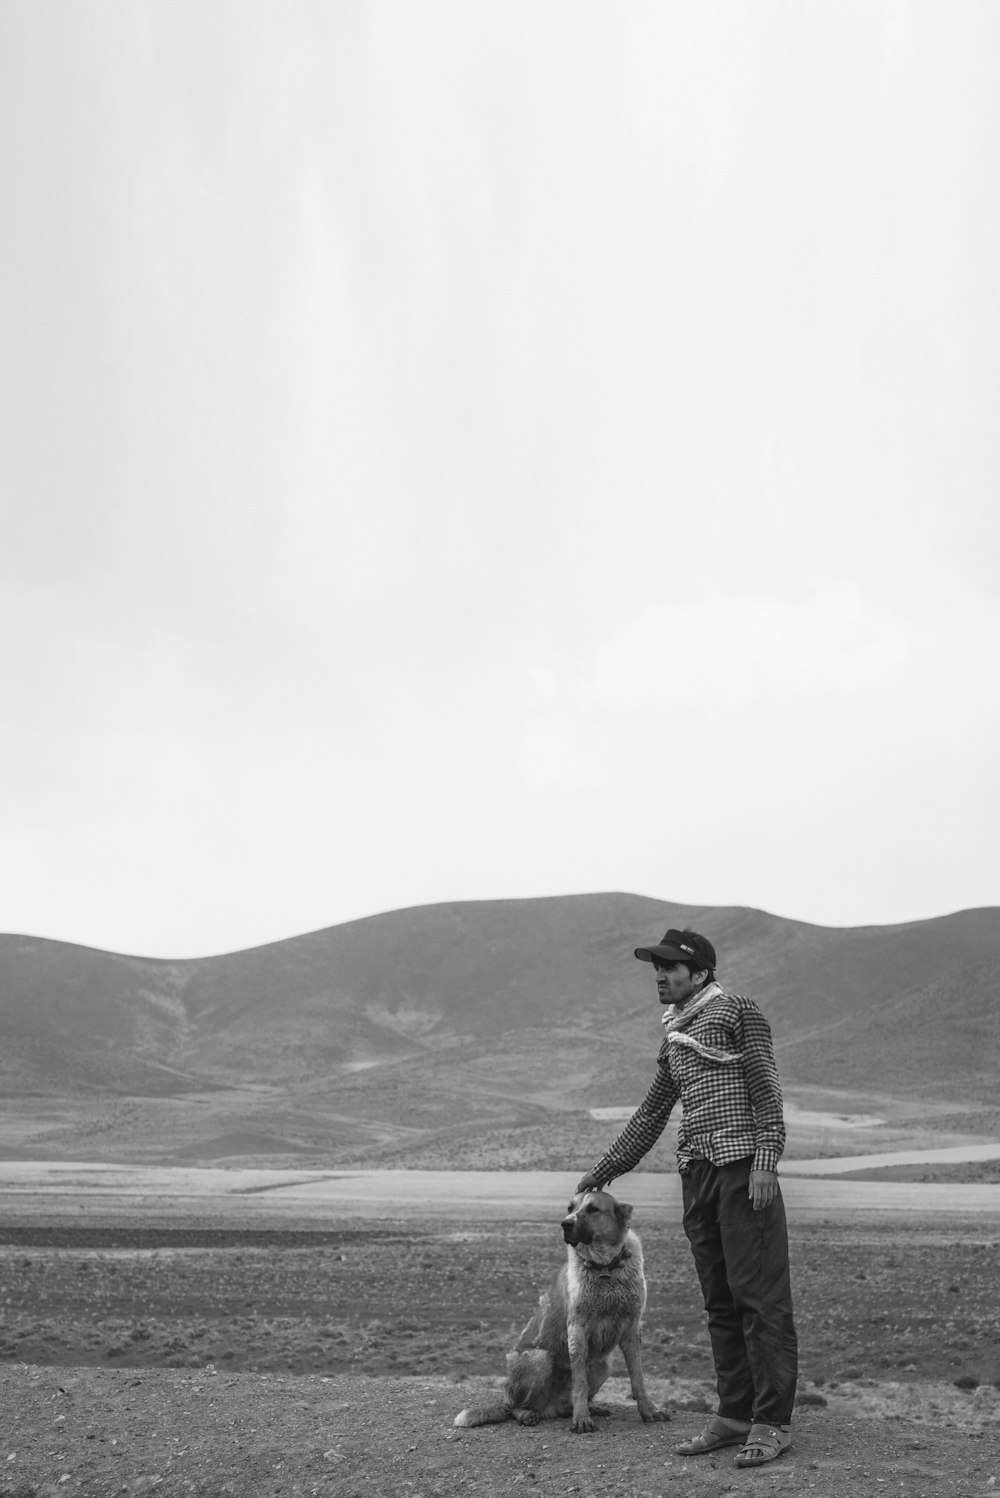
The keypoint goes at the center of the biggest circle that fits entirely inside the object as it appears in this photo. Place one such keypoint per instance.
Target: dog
(593, 1305)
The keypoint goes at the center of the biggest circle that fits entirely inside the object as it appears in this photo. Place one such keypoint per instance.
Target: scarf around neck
(676, 1021)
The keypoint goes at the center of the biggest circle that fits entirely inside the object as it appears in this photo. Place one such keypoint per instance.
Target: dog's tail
(484, 1414)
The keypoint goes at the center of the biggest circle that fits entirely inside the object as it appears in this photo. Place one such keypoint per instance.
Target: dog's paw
(526, 1417)
(584, 1427)
(599, 1409)
(649, 1413)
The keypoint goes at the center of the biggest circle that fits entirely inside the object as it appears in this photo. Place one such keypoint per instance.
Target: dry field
(331, 1360)
(904, 1303)
(365, 1124)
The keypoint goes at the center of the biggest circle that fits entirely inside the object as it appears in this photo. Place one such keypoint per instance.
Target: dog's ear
(623, 1211)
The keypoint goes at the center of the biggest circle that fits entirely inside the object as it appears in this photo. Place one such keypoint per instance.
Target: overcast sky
(469, 450)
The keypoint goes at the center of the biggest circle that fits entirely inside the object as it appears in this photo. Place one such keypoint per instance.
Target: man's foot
(720, 1431)
(765, 1443)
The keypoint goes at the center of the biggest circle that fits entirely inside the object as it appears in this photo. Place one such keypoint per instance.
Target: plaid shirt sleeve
(761, 1073)
(642, 1130)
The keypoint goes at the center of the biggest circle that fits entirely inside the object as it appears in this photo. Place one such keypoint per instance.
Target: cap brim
(665, 954)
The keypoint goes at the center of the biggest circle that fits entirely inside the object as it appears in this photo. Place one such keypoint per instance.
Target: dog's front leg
(576, 1333)
(632, 1351)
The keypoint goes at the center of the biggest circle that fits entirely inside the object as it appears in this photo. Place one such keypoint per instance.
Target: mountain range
(453, 1020)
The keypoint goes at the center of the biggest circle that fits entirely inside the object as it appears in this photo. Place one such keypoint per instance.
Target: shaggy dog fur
(593, 1305)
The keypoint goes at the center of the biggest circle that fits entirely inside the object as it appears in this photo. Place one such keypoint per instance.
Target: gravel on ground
(212, 1433)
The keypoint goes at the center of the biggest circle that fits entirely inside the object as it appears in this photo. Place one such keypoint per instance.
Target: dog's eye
(590, 1207)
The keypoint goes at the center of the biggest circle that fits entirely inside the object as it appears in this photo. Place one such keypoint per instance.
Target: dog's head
(595, 1217)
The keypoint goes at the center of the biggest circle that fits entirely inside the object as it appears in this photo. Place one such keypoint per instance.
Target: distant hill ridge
(901, 1005)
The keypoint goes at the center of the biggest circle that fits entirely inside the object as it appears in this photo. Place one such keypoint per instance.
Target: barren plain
(170, 1346)
(268, 1220)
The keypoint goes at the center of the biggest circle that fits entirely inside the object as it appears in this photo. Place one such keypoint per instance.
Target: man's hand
(763, 1188)
(588, 1182)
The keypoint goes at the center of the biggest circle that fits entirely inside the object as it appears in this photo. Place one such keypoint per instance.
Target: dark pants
(742, 1262)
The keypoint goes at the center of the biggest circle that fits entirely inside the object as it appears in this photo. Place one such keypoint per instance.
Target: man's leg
(755, 1246)
(734, 1378)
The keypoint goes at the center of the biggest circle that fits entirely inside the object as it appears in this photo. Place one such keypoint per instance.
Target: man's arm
(639, 1134)
(761, 1072)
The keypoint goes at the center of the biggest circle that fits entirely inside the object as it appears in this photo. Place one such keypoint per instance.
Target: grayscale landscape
(485, 1035)
(330, 1171)
(468, 462)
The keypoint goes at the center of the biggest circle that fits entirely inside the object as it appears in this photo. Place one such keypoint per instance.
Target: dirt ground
(178, 1432)
(207, 1361)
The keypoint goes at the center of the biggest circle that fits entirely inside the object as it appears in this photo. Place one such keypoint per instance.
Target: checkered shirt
(730, 1110)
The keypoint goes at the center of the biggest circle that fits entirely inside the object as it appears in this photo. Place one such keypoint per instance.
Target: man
(717, 1059)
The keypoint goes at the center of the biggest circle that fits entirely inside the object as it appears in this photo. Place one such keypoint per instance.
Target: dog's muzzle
(574, 1231)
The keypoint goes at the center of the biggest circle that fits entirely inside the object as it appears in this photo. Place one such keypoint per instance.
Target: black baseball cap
(681, 946)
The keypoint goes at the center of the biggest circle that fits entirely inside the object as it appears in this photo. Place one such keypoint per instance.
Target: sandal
(765, 1443)
(720, 1431)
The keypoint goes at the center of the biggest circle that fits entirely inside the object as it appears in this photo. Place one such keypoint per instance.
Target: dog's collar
(604, 1270)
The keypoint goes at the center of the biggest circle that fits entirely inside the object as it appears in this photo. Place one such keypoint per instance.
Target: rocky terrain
(183, 1434)
(156, 1353)
(333, 1361)
(912, 1304)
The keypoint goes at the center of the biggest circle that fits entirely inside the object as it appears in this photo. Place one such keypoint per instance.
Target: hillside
(449, 1019)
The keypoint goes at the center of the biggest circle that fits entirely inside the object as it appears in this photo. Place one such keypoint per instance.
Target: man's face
(674, 982)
